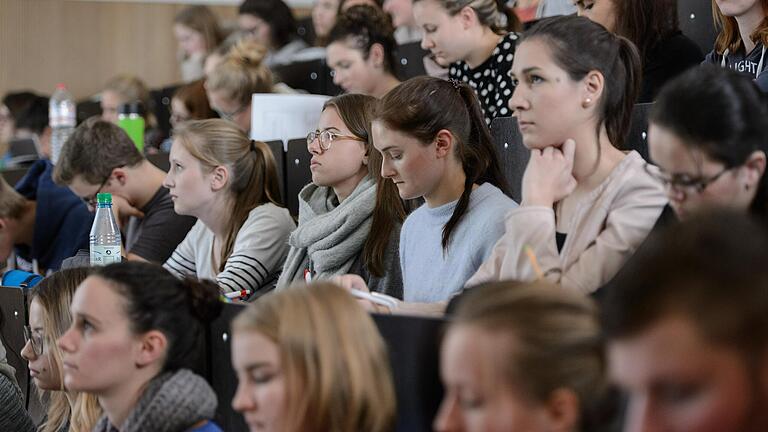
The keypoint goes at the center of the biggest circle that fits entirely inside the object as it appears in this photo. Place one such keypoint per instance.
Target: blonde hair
(54, 295)
(334, 359)
(252, 168)
(242, 73)
(729, 37)
(132, 89)
(12, 203)
(550, 338)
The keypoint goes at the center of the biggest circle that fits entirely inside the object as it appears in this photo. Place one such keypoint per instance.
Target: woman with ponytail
(435, 145)
(136, 333)
(586, 206)
(349, 216)
(476, 40)
(232, 83)
(229, 183)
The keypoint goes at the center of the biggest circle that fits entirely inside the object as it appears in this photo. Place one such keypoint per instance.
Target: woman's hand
(549, 177)
(353, 282)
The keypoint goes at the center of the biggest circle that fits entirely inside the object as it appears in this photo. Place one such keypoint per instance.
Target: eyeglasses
(231, 115)
(683, 182)
(326, 137)
(92, 200)
(35, 340)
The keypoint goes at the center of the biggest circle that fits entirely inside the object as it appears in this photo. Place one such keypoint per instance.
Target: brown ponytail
(253, 177)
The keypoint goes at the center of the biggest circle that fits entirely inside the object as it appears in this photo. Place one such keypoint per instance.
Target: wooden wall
(83, 43)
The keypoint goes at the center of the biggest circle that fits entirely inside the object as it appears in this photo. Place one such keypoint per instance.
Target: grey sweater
(13, 416)
(431, 274)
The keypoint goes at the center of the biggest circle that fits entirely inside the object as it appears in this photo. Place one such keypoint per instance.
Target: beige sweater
(606, 229)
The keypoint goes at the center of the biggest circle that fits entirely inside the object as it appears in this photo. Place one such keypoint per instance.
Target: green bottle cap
(104, 198)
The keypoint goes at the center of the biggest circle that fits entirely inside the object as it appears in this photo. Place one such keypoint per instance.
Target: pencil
(534, 262)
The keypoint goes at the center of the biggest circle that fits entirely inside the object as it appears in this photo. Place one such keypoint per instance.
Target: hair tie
(253, 145)
(456, 83)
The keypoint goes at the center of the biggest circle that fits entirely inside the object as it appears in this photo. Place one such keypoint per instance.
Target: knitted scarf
(329, 236)
(171, 402)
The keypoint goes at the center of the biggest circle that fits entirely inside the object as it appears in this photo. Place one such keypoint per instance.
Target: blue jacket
(62, 220)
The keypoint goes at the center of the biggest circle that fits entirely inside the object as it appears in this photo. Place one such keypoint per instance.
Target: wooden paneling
(83, 43)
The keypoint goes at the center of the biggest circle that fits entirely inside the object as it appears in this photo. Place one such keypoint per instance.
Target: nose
(337, 77)
(426, 42)
(314, 145)
(518, 100)
(168, 180)
(387, 171)
(27, 352)
(66, 342)
(242, 401)
(447, 416)
(641, 417)
(674, 193)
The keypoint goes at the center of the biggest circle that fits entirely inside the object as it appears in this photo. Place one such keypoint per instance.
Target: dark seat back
(513, 155)
(13, 318)
(160, 160)
(277, 151)
(637, 139)
(312, 76)
(410, 58)
(297, 173)
(161, 107)
(695, 18)
(12, 176)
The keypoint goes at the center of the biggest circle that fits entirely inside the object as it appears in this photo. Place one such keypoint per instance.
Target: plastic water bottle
(105, 234)
(62, 119)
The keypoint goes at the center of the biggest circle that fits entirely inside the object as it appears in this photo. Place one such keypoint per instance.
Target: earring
(587, 101)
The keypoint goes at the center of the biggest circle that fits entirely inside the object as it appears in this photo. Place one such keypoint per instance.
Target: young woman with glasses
(708, 135)
(349, 218)
(232, 83)
(49, 318)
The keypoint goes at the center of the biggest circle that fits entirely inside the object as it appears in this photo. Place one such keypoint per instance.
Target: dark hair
(35, 116)
(581, 46)
(157, 300)
(93, 151)
(719, 112)
(423, 106)
(17, 102)
(363, 26)
(710, 269)
(275, 13)
(356, 111)
(494, 14)
(195, 100)
(646, 22)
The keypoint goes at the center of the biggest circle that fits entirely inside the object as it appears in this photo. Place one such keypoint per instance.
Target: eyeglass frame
(317, 133)
(33, 339)
(92, 200)
(698, 185)
(230, 116)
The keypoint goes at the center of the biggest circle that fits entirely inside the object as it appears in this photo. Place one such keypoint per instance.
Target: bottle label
(105, 255)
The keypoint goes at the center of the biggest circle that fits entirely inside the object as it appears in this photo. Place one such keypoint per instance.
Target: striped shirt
(257, 257)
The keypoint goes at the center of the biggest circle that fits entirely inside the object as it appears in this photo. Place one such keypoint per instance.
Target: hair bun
(203, 299)
(248, 52)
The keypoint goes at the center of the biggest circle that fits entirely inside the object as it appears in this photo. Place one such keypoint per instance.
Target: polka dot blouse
(491, 80)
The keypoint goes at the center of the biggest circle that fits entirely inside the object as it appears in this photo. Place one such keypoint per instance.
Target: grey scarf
(172, 402)
(329, 236)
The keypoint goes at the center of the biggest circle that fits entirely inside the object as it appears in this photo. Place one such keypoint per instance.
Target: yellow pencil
(534, 262)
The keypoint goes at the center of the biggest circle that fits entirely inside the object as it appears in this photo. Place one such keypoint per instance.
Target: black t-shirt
(669, 58)
(155, 236)
(491, 81)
